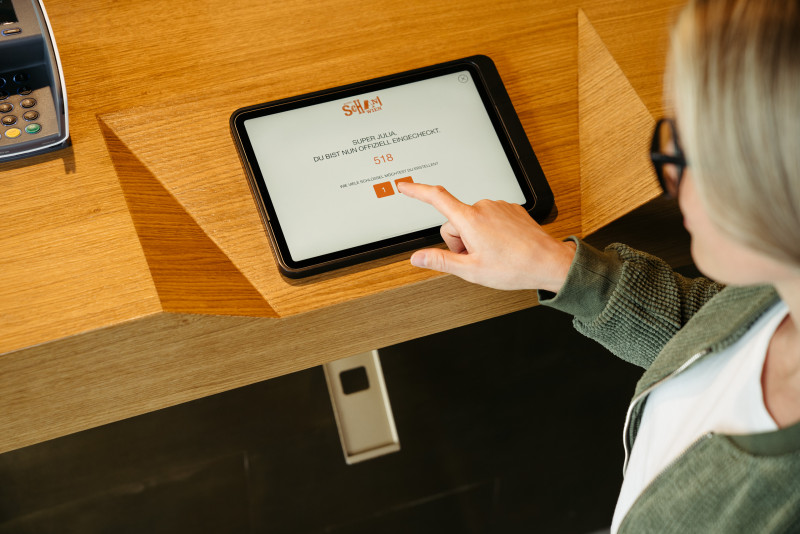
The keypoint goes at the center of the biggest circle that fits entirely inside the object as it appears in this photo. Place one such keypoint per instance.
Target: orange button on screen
(404, 179)
(384, 189)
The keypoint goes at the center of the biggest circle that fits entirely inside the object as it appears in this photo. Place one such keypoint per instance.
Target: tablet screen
(331, 168)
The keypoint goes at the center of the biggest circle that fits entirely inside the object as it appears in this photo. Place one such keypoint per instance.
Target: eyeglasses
(667, 156)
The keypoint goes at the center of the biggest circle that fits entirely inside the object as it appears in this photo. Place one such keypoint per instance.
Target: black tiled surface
(464, 509)
(210, 497)
(510, 425)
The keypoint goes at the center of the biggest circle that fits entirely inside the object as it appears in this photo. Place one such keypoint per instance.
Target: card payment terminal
(33, 99)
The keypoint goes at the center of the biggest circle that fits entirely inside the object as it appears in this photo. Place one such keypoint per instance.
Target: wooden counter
(135, 273)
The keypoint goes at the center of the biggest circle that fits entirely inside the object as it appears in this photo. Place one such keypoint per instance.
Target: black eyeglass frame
(660, 159)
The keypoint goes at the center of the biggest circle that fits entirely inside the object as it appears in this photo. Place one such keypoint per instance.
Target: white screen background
(320, 212)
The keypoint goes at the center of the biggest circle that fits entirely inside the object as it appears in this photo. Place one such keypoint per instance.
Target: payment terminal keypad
(25, 105)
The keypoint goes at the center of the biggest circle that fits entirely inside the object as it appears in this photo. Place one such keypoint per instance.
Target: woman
(712, 436)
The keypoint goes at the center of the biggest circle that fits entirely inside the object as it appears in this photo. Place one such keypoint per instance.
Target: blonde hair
(734, 75)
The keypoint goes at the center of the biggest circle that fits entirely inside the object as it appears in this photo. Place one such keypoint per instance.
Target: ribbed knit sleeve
(629, 301)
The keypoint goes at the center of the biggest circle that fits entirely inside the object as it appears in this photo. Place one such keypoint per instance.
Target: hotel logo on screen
(359, 107)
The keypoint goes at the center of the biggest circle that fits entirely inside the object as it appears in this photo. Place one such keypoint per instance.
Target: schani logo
(371, 105)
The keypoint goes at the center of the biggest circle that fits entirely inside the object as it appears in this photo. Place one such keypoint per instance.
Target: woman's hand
(492, 243)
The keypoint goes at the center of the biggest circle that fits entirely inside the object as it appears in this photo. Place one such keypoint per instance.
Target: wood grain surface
(121, 256)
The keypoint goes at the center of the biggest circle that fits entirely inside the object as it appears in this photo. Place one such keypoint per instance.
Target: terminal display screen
(7, 13)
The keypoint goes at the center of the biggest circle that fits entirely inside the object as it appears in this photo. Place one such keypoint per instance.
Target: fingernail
(418, 259)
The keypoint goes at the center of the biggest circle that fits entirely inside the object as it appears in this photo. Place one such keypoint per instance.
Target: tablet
(324, 167)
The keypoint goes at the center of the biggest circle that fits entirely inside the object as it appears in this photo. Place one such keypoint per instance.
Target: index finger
(435, 195)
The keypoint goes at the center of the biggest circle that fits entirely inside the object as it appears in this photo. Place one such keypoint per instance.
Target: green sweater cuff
(590, 282)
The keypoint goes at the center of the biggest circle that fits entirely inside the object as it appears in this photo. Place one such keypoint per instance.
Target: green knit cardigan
(641, 310)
